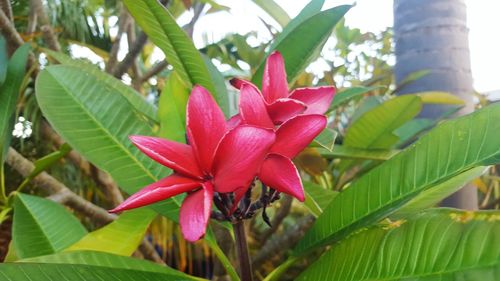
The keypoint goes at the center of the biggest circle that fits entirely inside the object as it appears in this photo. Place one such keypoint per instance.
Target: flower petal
(238, 195)
(284, 109)
(317, 99)
(177, 156)
(295, 134)
(253, 107)
(239, 156)
(233, 122)
(280, 173)
(274, 83)
(195, 212)
(165, 188)
(237, 82)
(205, 125)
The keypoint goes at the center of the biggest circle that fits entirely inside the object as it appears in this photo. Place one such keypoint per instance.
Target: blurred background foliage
(102, 33)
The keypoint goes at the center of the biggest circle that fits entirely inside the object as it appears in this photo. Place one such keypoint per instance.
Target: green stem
(242, 251)
(3, 195)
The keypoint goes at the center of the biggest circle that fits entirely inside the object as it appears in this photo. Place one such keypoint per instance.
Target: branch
(48, 33)
(9, 31)
(32, 20)
(123, 21)
(154, 70)
(282, 243)
(60, 193)
(197, 10)
(15, 41)
(7, 9)
(129, 59)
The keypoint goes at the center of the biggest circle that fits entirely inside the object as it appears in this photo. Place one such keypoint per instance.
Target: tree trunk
(432, 35)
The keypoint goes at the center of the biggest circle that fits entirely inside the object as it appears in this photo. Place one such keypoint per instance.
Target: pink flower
(282, 105)
(299, 116)
(278, 171)
(216, 160)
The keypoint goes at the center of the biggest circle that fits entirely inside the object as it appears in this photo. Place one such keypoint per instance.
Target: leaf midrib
(38, 223)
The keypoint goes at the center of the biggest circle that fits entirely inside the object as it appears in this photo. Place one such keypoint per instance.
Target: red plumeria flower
(282, 105)
(278, 171)
(216, 160)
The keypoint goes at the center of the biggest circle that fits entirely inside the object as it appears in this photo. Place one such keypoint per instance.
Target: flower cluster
(223, 158)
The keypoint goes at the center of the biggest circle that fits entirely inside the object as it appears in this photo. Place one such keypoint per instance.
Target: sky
(368, 15)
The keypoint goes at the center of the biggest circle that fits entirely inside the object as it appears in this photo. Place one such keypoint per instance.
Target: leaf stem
(242, 251)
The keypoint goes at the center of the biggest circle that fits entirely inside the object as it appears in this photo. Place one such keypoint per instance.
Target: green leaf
(221, 94)
(317, 197)
(120, 237)
(226, 263)
(375, 128)
(412, 128)
(326, 139)
(308, 11)
(77, 104)
(342, 151)
(45, 162)
(274, 10)
(439, 244)
(9, 92)
(349, 94)
(68, 272)
(436, 97)
(301, 45)
(453, 147)
(103, 260)
(410, 78)
(161, 28)
(4, 59)
(42, 227)
(71, 272)
(133, 97)
(172, 109)
(432, 196)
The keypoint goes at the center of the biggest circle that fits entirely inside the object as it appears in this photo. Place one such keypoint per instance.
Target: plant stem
(242, 251)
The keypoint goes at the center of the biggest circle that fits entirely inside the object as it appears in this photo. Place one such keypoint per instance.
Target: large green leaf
(180, 52)
(439, 244)
(302, 45)
(343, 97)
(342, 151)
(453, 147)
(432, 196)
(97, 121)
(317, 197)
(69, 272)
(102, 260)
(172, 109)
(221, 94)
(274, 10)
(134, 98)
(308, 11)
(72, 272)
(375, 128)
(120, 237)
(9, 92)
(42, 227)
(4, 59)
